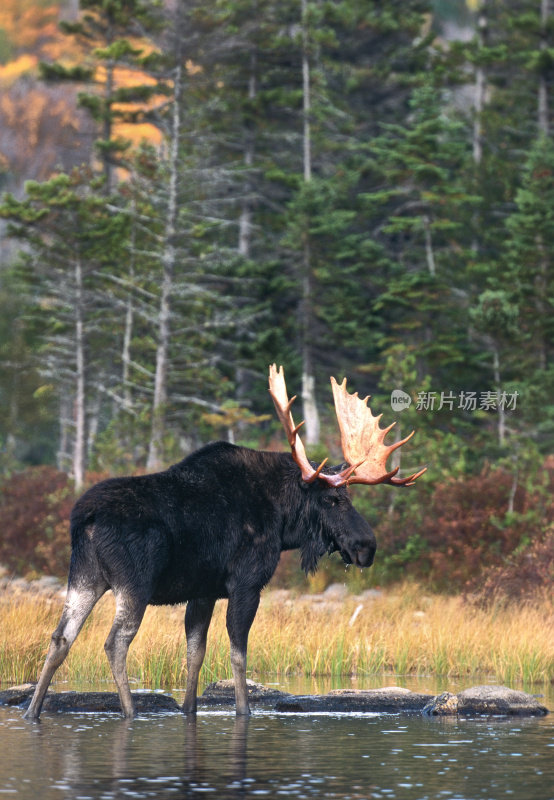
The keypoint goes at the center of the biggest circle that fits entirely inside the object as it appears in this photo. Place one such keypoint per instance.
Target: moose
(213, 526)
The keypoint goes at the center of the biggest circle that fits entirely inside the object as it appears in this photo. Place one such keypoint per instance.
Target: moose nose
(364, 556)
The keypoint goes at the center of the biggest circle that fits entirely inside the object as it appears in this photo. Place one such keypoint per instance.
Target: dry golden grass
(403, 631)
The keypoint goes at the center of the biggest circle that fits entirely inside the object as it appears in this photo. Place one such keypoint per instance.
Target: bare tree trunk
(309, 406)
(429, 253)
(307, 141)
(93, 420)
(155, 450)
(479, 89)
(310, 412)
(501, 411)
(79, 448)
(515, 480)
(541, 293)
(245, 220)
(62, 457)
(395, 460)
(107, 123)
(129, 322)
(543, 122)
(126, 349)
(478, 105)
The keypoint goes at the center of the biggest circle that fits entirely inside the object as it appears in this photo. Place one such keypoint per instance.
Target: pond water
(350, 756)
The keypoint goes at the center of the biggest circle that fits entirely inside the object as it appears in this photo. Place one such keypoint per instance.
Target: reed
(403, 631)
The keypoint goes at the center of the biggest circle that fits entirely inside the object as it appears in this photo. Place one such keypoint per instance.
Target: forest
(194, 189)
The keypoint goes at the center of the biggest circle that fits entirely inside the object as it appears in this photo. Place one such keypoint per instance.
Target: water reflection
(348, 757)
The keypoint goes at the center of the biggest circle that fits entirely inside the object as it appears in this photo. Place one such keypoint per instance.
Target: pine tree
(66, 273)
(529, 274)
(115, 53)
(422, 207)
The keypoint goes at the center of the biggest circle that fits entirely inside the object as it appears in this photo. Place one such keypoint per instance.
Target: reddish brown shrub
(35, 507)
(466, 531)
(466, 534)
(526, 575)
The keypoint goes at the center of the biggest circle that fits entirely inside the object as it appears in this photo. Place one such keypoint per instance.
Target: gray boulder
(486, 700)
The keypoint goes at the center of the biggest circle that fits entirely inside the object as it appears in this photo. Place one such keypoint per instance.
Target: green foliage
(404, 260)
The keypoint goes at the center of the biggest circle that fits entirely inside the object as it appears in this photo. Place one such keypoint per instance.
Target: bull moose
(213, 526)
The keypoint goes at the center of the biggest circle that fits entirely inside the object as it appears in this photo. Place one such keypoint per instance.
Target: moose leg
(129, 612)
(241, 611)
(78, 605)
(197, 621)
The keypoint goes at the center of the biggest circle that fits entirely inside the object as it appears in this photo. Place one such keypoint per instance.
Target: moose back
(213, 526)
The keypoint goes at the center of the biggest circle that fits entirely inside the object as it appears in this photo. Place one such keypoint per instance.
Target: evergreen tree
(111, 34)
(66, 276)
(529, 274)
(424, 206)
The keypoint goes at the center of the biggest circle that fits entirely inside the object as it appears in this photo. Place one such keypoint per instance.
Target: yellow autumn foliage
(13, 70)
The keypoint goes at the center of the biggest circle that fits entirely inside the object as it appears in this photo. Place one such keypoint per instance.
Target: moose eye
(331, 500)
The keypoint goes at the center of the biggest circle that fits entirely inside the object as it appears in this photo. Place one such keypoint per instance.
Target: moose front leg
(197, 621)
(241, 611)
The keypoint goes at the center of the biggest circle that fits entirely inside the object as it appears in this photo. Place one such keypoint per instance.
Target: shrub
(35, 506)
(527, 575)
(466, 535)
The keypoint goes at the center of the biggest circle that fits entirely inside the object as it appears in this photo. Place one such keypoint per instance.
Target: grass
(403, 631)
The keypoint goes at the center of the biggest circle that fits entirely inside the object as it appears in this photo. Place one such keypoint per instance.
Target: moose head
(341, 527)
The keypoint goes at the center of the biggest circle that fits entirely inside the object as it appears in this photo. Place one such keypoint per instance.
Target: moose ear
(337, 468)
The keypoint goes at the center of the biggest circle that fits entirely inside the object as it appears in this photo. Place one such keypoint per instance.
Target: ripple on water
(347, 757)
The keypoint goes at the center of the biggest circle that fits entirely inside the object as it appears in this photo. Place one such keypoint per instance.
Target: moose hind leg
(78, 605)
(129, 612)
(241, 611)
(197, 621)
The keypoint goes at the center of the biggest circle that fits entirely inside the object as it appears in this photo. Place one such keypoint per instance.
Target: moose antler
(362, 438)
(278, 392)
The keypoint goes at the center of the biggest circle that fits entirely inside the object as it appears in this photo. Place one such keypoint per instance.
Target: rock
(107, 702)
(18, 585)
(370, 594)
(391, 699)
(499, 700)
(335, 592)
(47, 582)
(17, 695)
(487, 700)
(443, 704)
(222, 693)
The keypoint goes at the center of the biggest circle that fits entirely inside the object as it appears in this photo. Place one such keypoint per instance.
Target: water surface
(80, 756)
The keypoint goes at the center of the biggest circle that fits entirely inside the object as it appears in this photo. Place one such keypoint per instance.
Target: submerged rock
(479, 700)
(442, 705)
(223, 693)
(487, 700)
(499, 700)
(17, 695)
(390, 699)
(108, 702)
